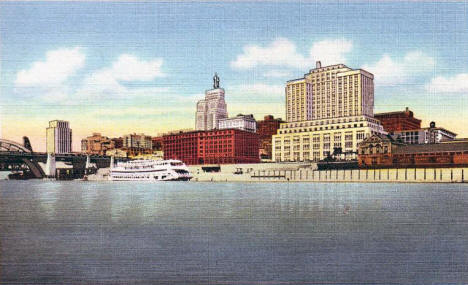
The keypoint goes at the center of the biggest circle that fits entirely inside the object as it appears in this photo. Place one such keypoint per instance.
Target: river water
(232, 233)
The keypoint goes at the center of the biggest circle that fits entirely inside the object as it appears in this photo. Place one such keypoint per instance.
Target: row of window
(320, 129)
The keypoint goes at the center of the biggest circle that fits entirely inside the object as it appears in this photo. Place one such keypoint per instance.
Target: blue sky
(120, 67)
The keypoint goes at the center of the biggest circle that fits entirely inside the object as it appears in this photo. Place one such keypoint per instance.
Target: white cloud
(107, 82)
(330, 51)
(455, 84)
(390, 71)
(58, 66)
(130, 68)
(283, 52)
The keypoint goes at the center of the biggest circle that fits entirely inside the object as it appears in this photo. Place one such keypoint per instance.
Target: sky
(124, 67)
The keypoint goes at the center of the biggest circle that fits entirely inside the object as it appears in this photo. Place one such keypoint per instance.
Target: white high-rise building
(328, 92)
(329, 112)
(211, 109)
(59, 137)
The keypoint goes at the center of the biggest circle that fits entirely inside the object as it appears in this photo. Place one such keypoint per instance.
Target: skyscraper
(58, 137)
(298, 100)
(330, 92)
(211, 109)
(328, 112)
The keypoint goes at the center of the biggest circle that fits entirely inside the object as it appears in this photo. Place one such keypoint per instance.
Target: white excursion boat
(149, 170)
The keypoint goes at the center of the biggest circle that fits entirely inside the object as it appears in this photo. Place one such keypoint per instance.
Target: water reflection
(59, 232)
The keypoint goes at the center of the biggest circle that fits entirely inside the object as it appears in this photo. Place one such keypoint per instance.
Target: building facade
(330, 92)
(241, 122)
(211, 109)
(58, 137)
(378, 151)
(338, 103)
(429, 135)
(137, 141)
(212, 147)
(96, 144)
(118, 142)
(117, 152)
(298, 100)
(266, 128)
(318, 139)
(157, 143)
(398, 121)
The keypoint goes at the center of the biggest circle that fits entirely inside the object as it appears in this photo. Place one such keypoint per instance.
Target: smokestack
(318, 64)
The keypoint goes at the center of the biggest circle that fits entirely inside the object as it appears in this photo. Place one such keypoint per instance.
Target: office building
(241, 122)
(398, 121)
(338, 104)
(318, 139)
(266, 128)
(298, 100)
(330, 92)
(429, 135)
(211, 109)
(137, 141)
(212, 147)
(58, 137)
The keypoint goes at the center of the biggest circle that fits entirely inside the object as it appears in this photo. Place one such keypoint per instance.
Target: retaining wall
(412, 175)
(367, 175)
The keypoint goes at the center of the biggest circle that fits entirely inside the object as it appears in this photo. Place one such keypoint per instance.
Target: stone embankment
(296, 172)
(303, 173)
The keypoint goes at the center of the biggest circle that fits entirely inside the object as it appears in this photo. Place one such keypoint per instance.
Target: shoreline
(285, 173)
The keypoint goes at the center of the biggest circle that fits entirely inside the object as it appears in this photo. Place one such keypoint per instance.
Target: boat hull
(148, 170)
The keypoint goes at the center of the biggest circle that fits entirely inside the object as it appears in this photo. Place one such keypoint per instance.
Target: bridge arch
(7, 145)
(11, 146)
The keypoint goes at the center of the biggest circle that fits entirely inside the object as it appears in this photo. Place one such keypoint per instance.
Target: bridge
(18, 157)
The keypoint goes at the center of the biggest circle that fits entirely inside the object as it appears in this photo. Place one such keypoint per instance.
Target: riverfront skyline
(124, 67)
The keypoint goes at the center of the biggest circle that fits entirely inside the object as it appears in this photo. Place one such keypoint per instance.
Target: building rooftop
(438, 147)
(319, 67)
(297, 79)
(426, 128)
(407, 111)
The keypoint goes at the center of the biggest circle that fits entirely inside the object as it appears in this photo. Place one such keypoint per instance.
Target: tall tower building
(59, 137)
(330, 92)
(329, 112)
(211, 109)
(298, 100)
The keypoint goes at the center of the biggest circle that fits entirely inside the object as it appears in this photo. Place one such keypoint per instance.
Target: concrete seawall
(271, 172)
(310, 174)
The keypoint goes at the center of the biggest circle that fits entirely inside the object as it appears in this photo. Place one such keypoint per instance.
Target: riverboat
(150, 170)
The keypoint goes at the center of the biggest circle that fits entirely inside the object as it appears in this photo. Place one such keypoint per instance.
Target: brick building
(266, 129)
(96, 144)
(212, 147)
(157, 143)
(118, 142)
(386, 151)
(398, 121)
